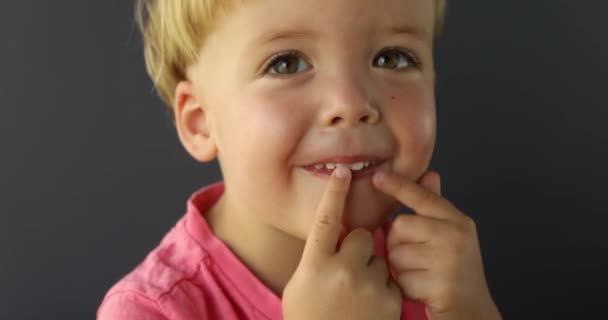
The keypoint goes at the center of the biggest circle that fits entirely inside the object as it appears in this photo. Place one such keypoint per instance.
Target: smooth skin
(435, 255)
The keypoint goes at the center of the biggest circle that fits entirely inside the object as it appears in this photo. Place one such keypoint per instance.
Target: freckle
(393, 97)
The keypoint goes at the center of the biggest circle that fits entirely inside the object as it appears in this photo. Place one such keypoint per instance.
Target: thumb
(431, 180)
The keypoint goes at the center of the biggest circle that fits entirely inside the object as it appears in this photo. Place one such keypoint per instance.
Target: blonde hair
(173, 32)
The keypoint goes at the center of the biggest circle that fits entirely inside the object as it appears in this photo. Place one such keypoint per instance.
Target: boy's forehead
(286, 32)
(271, 20)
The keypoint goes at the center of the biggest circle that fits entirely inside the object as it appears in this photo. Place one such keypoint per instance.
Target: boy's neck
(271, 254)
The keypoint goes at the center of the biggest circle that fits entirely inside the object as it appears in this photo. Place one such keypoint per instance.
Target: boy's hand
(435, 253)
(345, 283)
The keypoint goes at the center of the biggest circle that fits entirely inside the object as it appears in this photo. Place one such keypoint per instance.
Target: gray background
(92, 175)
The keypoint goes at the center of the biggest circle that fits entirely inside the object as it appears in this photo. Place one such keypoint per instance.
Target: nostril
(365, 119)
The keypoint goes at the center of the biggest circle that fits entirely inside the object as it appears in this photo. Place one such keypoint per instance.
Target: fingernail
(380, 177)
(342, 172)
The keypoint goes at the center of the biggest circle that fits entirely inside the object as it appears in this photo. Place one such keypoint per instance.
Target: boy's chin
(368, 215)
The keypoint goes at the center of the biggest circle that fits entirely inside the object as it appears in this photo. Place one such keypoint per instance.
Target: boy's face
(357, 78)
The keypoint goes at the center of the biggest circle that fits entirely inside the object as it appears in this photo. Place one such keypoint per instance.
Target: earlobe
(193, 123)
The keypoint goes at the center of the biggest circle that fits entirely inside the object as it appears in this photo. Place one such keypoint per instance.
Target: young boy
(321, 114)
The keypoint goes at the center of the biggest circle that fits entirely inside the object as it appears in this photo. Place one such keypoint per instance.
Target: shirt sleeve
(129, 305)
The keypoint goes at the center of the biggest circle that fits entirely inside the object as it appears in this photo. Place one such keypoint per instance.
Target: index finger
(423, 201)
(325, 229)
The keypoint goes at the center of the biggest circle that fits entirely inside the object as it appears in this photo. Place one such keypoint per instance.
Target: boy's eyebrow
(285, 34)
(415, 31)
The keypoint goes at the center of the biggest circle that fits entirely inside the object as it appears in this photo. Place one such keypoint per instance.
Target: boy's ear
(192, 123)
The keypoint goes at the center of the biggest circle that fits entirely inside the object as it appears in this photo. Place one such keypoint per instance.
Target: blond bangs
(173, 31)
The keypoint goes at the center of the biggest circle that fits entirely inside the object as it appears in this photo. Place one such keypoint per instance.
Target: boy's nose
(349, 105)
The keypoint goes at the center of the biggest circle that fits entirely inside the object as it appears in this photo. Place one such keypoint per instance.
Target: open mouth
(358, 169)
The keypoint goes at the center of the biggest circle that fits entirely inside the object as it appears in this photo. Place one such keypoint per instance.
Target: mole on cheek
(393, 97)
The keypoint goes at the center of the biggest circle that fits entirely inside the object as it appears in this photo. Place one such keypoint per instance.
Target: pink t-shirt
(192, 274)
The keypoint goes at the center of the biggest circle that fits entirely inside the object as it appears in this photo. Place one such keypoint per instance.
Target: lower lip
(326, 173)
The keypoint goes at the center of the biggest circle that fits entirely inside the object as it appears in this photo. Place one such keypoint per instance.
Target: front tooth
(319, 166)
(330, 166)
(357, 166)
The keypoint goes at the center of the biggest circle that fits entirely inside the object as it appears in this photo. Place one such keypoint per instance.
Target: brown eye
(394, 59)
(286, 64)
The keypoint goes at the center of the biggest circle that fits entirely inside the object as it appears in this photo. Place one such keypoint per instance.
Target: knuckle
(401, 221)
(323, 219)
(469, 225)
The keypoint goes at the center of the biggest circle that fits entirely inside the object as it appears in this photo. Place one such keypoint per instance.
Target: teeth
(357, 166)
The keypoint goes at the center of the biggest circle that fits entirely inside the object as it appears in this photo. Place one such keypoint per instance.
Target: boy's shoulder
(146, 291)
(168, 280)
(164, 266)
(191, 274)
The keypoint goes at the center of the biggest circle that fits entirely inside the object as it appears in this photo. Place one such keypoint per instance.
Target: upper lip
(347, 159)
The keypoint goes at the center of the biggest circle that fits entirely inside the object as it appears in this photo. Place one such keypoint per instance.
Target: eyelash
(277, 57)
(415, 62)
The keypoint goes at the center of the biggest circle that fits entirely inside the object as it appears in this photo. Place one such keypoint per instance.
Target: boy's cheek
(412, 120)
(416, 136)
